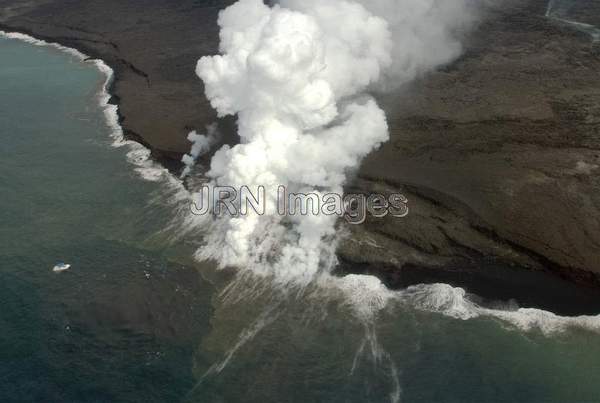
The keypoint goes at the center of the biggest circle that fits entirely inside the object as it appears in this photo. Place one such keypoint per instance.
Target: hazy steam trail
(559, 11)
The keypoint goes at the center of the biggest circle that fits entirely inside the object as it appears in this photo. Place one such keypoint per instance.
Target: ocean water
(136, 320)
(122, 323)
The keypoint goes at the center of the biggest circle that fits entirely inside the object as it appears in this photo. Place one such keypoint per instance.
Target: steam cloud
(296, 76)
(201, 144)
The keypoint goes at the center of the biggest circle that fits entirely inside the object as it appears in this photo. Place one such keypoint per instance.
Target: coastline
(109, 100)
(138, 154)
(484, 138)
(139, 315)
(142, 155)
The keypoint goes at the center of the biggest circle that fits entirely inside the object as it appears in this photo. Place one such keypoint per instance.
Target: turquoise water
(130, 323)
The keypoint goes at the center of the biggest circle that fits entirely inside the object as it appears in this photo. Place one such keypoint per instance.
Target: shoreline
(150, 169)
(115, 118)
(478, 135)
(139, 154)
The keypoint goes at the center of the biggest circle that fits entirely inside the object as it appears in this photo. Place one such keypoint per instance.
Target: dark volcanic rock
(498, 153)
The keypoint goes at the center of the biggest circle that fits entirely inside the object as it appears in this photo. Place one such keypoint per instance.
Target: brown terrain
(498, 153)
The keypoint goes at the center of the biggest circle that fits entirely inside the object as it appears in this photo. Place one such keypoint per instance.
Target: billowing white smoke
(296, 75)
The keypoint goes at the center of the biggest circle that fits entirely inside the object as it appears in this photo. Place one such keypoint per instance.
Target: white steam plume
(296, 75)
(201, 144)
